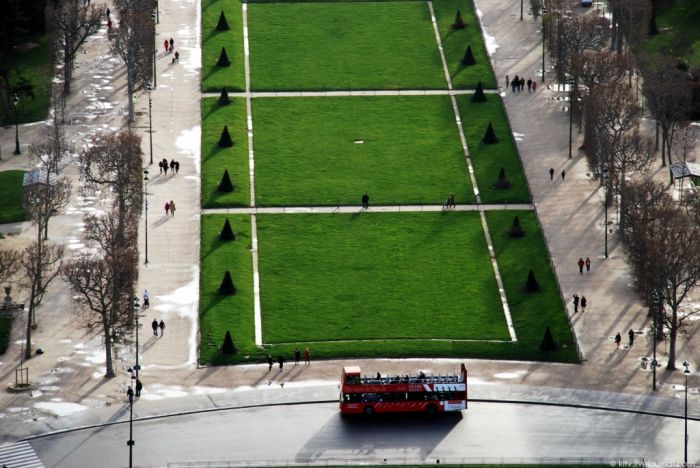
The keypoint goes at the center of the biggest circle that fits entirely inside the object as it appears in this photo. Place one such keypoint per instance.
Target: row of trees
(595, 55)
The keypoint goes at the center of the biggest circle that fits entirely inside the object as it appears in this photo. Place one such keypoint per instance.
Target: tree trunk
(28, 346)
(656, 142)
(672, 341)
(109, 367)
(67, 70)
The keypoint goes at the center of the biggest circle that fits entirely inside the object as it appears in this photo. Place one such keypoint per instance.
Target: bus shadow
(393, 436)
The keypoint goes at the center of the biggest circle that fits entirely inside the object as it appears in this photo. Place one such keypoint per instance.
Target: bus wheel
(368, 411)
(431, 410)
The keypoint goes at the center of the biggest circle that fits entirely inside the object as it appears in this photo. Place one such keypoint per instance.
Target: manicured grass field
(215, 160)
(455, 44)
(34, 65)
(363, 45)
(213, 77)
(488, 159)
(219, 313)
(305, 151)
(11, 195)
(377, 276)
(679, 32)
(531, 312)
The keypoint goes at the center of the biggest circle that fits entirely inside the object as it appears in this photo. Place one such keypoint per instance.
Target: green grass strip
(213, 77)
(34, 65)
(455, 44)
(679, 33)
(488, 159)
(531, 312)
(375, 276)
(316, 46)
(11, 197)
(308, 151)
(219, 313)
(215, 159)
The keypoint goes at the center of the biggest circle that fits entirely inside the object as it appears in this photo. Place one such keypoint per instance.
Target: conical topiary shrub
(228, 347)
(548, 343)
(227, 286)
(516, 230)
(459, 22)
(479, 95)
(227, 233)
(223, 59)
(532, 285)
(225, 185)
(225, 140)
(223, 98)
(490, 136)
(222, 25)
(502, 182)
(468, 59)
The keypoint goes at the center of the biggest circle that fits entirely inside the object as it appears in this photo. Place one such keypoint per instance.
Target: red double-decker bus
(402, 393)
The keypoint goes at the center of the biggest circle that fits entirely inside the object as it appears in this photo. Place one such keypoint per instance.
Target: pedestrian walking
(563, 174)
(166, 44)
(576, 299)
(583, 303)
(280, 361)
(109, 24)
(618, 340)
(107, 12)
(551, 173)
(154, 326)
(139, 387)
(581, 264)
(534, 86)
(270, 362)
(177, 57)
(130, 395)
(172, 44)
(161, 325)
(297, 356)
(631, 336)
(165, 166)
(307, 356)
(507, 81)
(146, 298)
(588, 264)
(172, 208)
(522, 84)
(515, 83)
(529, 85)
(167, 208)
(172, 167)
(452, 201)
(365, 201)
(177, 167)
(160, 167)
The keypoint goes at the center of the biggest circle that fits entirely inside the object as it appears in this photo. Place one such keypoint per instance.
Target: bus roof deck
(419, 378)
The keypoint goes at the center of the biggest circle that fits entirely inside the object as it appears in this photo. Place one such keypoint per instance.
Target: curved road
(315, 433)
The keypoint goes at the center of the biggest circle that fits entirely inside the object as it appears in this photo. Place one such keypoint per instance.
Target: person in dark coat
(576, 303)
(618, 339)
(130, 395)
(280, 361)
(270, 362)
(583, 303)
(365, 201)
(161, 325)
(139, 387)
(297, 356)
(631, 336)
(551, 173)
(154, 326)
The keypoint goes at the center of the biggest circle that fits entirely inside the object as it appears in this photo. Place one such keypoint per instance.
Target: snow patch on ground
(188, 142)
(60, 408)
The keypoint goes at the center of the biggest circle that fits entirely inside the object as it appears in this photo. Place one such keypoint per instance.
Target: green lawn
(34, 65)
(11, 195)
(305, 151)
(365, 45)
(213, 77)
(455, 43)
(531, 312)
(220, 313)
(376, 276)
(679, 32)
(488, 159)
(215, 160)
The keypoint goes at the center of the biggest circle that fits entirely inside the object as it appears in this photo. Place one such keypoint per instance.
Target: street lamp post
(15, 104)
(521, 10)
(656, 300)
(605, 203)
(686, 364)
(130, 442)
(544, 38)
(571, 115)
(149, 88)
(145, 195)
(157, 13)
(137, 308)
(153, 18)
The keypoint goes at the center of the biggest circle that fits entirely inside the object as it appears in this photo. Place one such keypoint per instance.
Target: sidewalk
(570, 211)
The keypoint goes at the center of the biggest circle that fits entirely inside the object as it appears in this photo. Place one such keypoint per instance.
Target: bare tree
(134, 42)
(72, 22)
(113, 164)
(662, 240)
(103, 283)
(40, 264)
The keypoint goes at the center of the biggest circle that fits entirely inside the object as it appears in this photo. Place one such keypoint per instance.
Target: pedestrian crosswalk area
(19, 455)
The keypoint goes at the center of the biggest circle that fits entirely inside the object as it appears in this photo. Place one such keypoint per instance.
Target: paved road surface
(315, 433)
